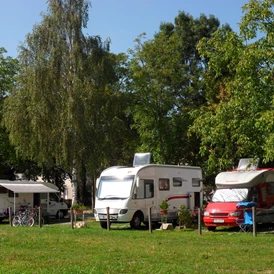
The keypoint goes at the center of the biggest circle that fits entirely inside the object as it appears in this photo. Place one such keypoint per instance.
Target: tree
(166, 82)
(62, 111)
(236, 121)
(8, 72)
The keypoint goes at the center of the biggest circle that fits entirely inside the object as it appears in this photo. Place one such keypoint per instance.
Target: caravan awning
(27, 187)
(241, 179)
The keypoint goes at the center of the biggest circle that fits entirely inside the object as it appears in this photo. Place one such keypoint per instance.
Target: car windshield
(230, 195)
(111, 187)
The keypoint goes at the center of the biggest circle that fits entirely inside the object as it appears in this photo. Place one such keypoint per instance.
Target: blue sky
(120, 20)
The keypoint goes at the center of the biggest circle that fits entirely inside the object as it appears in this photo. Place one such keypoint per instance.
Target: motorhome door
(146, 193)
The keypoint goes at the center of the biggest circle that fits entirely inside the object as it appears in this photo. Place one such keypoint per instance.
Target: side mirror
(97, 182)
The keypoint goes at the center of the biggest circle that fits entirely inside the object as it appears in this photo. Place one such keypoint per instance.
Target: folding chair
(246, 224)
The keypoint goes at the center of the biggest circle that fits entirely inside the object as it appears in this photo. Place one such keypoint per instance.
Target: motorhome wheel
(136, 221)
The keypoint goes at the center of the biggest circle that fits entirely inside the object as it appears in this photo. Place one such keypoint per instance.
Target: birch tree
(57, 113)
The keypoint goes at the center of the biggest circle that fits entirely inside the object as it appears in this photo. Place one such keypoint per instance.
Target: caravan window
(177, 181)
(196, 182)
(163, 184)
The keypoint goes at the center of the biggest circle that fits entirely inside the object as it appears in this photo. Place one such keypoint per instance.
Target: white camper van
(20, 193)
(128, 192)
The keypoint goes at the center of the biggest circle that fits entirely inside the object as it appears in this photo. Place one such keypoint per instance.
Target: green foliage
(164, 205)
(184, 216)
(78, 206)
(67, 110)
(237, 120)
(166, 73)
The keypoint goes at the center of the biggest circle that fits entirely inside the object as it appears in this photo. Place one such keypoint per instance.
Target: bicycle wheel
(16, 221)
(27, 221)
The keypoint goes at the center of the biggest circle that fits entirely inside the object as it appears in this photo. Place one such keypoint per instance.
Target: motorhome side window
(164, 184)
(270, 188)
(145, 190)
(196, 182)
(177, 181)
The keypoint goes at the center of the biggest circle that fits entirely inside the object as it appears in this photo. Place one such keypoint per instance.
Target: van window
(163, 184)
(177, 181)
(53, 197)
(270, 188)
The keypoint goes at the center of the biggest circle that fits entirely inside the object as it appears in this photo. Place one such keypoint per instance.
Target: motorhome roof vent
(248, 164)
(141, 159)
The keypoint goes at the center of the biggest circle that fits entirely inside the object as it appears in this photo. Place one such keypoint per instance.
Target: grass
(61, 249)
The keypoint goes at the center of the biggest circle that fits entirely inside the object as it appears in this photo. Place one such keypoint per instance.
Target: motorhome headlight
(94, 211)
(123, 211)
(234, 214)
(206, 213)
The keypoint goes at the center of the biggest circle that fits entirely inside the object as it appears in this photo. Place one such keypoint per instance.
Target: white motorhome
(19, 193)
(128, 192)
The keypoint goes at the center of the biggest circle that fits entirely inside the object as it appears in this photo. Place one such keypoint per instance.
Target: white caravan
(20, 193)
(129, 192)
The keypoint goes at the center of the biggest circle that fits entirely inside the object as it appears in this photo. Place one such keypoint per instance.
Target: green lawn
(61, 249)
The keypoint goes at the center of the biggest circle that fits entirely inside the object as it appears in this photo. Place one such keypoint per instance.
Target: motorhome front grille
(104, 211)
(219, 214)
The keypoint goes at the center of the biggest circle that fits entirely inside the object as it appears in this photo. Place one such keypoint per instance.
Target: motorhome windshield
(230, 195)
(111, 187)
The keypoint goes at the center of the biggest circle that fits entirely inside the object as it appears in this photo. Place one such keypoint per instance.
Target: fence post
(199, 221)
(71, 218)
(149, 220)
(108, 221)
(39, 216)
(10, 219)
(254, 221)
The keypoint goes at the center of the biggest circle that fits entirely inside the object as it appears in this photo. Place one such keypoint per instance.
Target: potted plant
(78, 208)
(184, 217)
(164, 207)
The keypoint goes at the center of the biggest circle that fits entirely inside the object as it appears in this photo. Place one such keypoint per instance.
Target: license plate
(219, 221)
(104, 217)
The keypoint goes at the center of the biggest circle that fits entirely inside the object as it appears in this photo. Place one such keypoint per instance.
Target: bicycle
(22, 218)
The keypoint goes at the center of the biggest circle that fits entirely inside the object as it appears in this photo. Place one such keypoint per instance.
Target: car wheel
(60, 214)
(104, 225)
